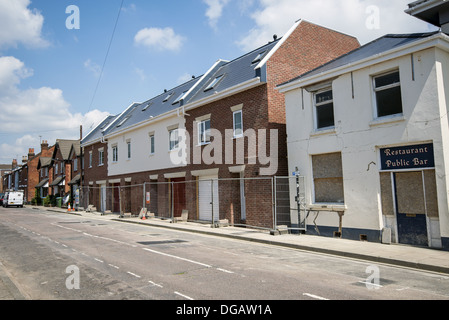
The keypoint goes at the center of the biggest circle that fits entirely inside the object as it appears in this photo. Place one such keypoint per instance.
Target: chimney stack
(14, 164)
(24, 159)
(44, 145)
(31, 153)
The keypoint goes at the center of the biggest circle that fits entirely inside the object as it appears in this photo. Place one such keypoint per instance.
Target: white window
(114, 154)
(128, 143)
(75, 165)
(324, 109)
(238, 123)
(204, 132)
(173, 139)
(56, 168)
(152, 148)
(100, 157)
(387, 88)
(90, 159)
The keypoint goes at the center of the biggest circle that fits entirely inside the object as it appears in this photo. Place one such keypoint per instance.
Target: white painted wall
(141, 159)
(358, 135)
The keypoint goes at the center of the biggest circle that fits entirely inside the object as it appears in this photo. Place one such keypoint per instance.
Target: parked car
(13, 199)
(2, 195)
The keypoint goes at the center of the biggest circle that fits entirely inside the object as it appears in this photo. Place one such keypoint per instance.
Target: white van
(13, 199)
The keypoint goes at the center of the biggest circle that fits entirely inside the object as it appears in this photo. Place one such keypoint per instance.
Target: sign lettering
(408, 157)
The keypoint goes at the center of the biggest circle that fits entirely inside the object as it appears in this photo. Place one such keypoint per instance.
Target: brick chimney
(44, 145)
(24, 159)
(14, 164)
(31, 154)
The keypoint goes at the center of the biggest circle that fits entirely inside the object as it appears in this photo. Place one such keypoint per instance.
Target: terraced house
(211, 145)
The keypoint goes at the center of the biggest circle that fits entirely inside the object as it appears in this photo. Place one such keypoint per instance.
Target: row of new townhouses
(311, 131)
(211, 145)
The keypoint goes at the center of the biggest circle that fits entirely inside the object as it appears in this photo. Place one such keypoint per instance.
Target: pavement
(424, 259)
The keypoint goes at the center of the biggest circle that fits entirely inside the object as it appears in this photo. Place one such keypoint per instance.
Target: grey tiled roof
(65, 146)
(378, 46)
(139, 112)
(235, 72)
(97, 132)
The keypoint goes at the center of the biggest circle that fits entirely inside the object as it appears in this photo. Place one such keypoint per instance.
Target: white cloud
(27, 114)
(352, 17)
(215, 10)
(184, 78)
(140, 73)
(92, 67)
(20, 25)
(159, 39)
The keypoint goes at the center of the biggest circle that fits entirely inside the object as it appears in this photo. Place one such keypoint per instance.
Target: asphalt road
(55, 256)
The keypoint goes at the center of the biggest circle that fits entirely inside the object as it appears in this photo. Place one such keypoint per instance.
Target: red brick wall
(307, 48)
(33, 173)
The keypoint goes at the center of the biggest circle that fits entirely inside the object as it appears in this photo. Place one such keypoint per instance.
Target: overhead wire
(106, 57)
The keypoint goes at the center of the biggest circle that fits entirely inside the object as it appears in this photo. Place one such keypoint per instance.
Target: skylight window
(168, 97)
(146, 106)
(179, 98)
(259, 57)
(123, 122)
(214, 83)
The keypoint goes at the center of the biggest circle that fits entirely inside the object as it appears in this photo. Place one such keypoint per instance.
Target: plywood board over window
(328, 178)
(386, 194)
(410, 193)
(431, 193)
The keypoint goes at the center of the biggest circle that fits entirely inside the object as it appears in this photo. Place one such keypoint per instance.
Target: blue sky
(49, 73)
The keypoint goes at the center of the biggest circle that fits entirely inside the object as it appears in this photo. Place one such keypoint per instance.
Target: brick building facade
(233, 96)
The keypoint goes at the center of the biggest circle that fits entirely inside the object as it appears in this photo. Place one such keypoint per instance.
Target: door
(411, 215)
(116, 205)
(102, 198)
(179, 196)
(206, 187)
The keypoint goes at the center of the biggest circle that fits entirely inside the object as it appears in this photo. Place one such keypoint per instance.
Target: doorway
(179, 196)
(411, 215)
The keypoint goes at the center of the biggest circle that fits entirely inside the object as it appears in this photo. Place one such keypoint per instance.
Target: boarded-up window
(386, 194)
(410, 193)
(328, 178)
(416, 193)
(431, 193)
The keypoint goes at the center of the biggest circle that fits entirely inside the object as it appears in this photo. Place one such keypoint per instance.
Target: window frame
(214, 83)
(90, 159)
(175, 145)
(317, 105)
(203, 134)
(376, 90)
(128, 149)
(114, 153)
(152, 144)
(234, 123)
(100, 157)
(316, 179)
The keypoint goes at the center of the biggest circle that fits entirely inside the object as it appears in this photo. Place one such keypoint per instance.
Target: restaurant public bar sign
(408, 157)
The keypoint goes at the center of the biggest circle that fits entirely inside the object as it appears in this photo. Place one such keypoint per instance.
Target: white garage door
(205, 198)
